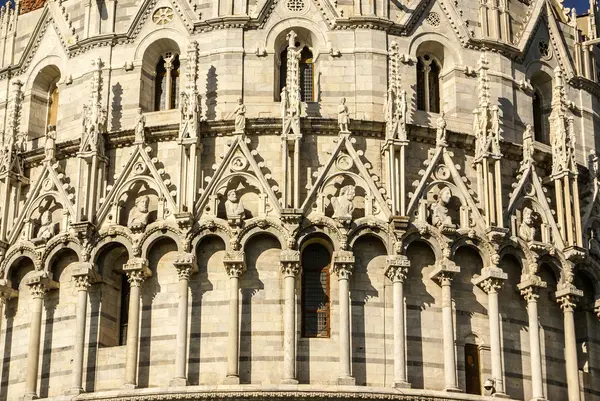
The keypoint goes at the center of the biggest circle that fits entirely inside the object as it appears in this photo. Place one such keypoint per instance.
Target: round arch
(450, 49)
(253, 228)
(160, 40)
(157, 233)
(53, 249)
(122, 238)
(306, 29)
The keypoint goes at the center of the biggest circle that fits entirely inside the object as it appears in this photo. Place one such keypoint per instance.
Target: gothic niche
(44, 222)
(594, 239)
(344, 200)
(138, 207)
(443, 208)
(528, 223)
(238, 201)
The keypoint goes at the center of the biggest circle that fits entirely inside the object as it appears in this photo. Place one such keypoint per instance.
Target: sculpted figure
(140, 127)
(343, 205)
(234, 208)
(441, 135)
(439, 210)
(527, 147)
(527, 229)
(46, 230)
(240, 117)
(138, 216)
(50, 144)
(495, 131)
(343, 116)
(594, 241)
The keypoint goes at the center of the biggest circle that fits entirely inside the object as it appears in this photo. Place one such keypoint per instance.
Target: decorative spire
(94, 115)
(290, 94)
(486, 118)
(13, 141)
(190, 102)
(562, 130)
(395, 106)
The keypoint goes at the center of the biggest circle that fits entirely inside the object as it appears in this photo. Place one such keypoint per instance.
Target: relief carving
(138, 216)
(343, 205)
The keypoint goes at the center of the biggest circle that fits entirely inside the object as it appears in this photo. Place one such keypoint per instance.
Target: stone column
(396, 271)
(168, 77)
(236, 266)
(490, 281)
(530, 291)
(185, 263)
(6, 293)
(443, 274)
(343, 266)
(290, 268)
(38, 284)
(83, 275)
(137, 271)
(567, 297)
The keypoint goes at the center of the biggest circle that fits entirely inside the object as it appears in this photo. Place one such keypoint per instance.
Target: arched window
(541, 103)
(472, 371)
(166, 82)
(538, 127)
(307, 73)
(315, 291)
(44, 101)
(428, 83)
(124, 312)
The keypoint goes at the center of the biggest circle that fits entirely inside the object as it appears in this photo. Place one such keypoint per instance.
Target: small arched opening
(44, 101)
(541, 106)
(160, 85)
(316, 265)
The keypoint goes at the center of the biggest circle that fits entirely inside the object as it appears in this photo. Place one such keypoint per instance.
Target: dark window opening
(472, 373)
(428, 84)
(307, 73)
(538, 128)
(124, 314)
(315, 291)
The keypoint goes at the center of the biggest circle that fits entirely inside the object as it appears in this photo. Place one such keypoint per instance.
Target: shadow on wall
(418, 300)
(117, 107)
(370, 262)
(212, 85)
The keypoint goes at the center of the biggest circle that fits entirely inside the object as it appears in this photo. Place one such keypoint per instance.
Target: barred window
(166, 82)
(315, 291)
(428, 84)
(307, 73)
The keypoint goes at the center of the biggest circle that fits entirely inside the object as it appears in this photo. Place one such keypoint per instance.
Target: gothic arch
(159, 39)
(155, 232)
(452, 54)
(477, 244)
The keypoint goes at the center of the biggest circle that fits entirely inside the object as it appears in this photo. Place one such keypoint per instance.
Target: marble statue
(140, 127)
(343, 205)
(50, 144)
(527, 229)
(441, 136)
(439, 210)
(343, 116)
(46, 230)
(240, 117)
(138, 216)
(234, 208)
(527, 147)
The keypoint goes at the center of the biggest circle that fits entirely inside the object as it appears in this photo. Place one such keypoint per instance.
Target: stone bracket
(137, 264)
(489, 273)
(186, 259)
(43, 278)
(444, 267)
(81, 269)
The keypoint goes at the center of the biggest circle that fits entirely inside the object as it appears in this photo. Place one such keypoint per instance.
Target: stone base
(401, 384)
(289, 381)
(178, 382)
(453, 390)
(75, 391)
(346, 381)
(538, 399)
(129, 386)
(500, 395)
(231, 380)
(28, 397)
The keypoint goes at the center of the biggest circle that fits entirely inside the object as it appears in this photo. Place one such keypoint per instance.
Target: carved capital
(444, 272)
(531, 294)
(290, 262)
(343, 264)
(40, 283)
(234, 263)
(185, 263)
(6, 292)
(567, 296)
(567, 303)
(491, 279)
(529, 286)
(84, 275)
(137, 271)
(597, 308)
(397, 268)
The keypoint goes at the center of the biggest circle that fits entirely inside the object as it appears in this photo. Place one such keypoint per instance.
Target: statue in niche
(495, 131)
(527, 229)
(343, 116)
(234, 208)
(439, 210)
(527, 147)
(441, 136)
(138, 216)
(50, 144)
(343, 205)
(140, 127)
(594, 241)
(46, 230)
(240, 117)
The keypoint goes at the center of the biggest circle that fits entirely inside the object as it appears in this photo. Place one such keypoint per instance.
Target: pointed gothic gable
(51, 183)
(239, 170)
(442, 172)
(140, 169)
(345, 167)
(184, 13)
(529, 187)
(445, 8)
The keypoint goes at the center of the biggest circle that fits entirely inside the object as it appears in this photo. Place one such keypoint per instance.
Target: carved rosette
(397, 268)
(185, 263)
(235, 263)
(137, 271)
(289, 263)
(343, 264)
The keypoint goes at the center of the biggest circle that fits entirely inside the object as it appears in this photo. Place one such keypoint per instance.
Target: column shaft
(399, 339)
(233, 341)
(344, 288)
(33, 354)
(79, 345)
(182, 333)
(448, 330)
(535, 350)
(496, 344)
(133, 329)
(289, 329)
(571, 354)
